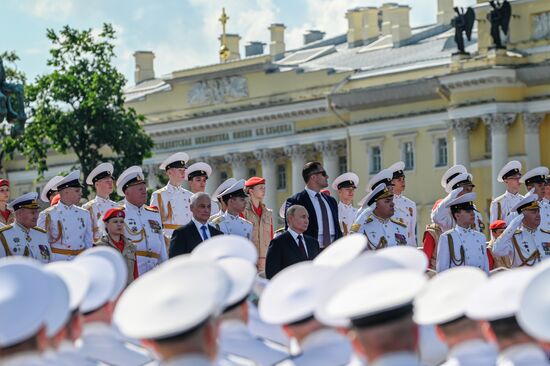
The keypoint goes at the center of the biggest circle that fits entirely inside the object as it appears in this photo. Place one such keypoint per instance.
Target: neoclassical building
(382, 92)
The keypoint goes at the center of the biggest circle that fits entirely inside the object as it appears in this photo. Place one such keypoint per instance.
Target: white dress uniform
(527, 354)
(69, 230)
(99, 341)
(235, 339)
(405, 212)
(235, 225)
(143, 227)
(190, 360)
(545, 214)
(97, 208)
(346, 215)
(472, 352)
(526, 247)
(501, 207)
(462, 247)
(323, 347)
(174, 207)
(381, 233)
(68, 355)
(18, 240)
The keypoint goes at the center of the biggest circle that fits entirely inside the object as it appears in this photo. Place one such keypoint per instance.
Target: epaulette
(217, 220)
(47, 209)
(37, 228)
(279, 230)
(88, 205)
(398, 222)
(517, 232)
(7, 227)
(545, 231)
(161, 190)
(245, 220)
(149, 208)
(355, 227)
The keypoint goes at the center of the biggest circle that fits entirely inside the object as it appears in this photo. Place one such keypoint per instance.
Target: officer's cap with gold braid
(464, 202)
(379, 193)
(28, 200)
(537, 175)
(130, 177)
(529, 202)
(176, 160)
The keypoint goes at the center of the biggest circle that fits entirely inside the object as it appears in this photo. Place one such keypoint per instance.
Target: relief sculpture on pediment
(218, 90)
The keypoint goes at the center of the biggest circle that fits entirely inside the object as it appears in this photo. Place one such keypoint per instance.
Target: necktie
(204, 232)
(301, 246)
(324, 217)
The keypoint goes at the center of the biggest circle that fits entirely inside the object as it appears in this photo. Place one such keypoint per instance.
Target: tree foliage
(79, 107)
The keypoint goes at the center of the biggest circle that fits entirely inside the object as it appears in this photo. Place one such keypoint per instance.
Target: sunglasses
(322, 172)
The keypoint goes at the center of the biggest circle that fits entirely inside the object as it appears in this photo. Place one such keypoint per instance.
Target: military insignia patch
(546, 247)
(155, 226)
(400, 239)
(44, 252)
(410, 211)
(16, 240)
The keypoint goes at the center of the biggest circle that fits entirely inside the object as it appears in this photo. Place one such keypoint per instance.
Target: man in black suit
(293, 245)
(323, 210)
(187, 237)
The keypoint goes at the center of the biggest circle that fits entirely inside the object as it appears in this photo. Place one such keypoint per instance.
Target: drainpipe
(341, 119)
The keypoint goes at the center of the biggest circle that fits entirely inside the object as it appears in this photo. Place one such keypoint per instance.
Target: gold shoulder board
(152, 209)
(398, 222)
(39, 229)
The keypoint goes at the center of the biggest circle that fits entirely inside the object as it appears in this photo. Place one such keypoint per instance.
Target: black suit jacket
(186, 238)
(302, 198)
(283, 252)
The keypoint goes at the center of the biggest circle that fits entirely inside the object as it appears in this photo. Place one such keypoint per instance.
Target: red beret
(497, 224)
(4, 182)
(114, 212)
(55, 199)
(254, 181)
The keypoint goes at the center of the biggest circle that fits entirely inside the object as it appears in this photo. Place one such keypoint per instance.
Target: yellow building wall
(545, 141)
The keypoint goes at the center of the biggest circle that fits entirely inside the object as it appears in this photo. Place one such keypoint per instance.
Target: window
(375, 160)
(342, 164)
(441, 154)
(408, 155)
(281, 177)
(252, 172)
(223, 176)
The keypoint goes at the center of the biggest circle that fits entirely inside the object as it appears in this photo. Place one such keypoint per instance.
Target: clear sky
(181, 33)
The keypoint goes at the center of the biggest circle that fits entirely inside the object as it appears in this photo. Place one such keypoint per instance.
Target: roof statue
(500, 20)
(463, 22)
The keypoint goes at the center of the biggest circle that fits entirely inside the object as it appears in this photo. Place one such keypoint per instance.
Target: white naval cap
(451, 173)
(511, 168)
(118, 263)
(462, 179)
(177, 160)
(71, 180)
(377, 299)
(175, 298)
(345, 180)
(529, 202)
(27, 200)
(235, 190)
(466, 201)
(242, 275)
(381, 191)
(292, 294)
(49, 188)
(385, 176)
(500, 296)
(199, 169)
(362, 201)
(24, 294)
(226, 246)
(397, 169)
(222, 187)
(59, 309)
(537, 175)
(363, 266)
(533, 315)
(75, 278)
(131, 176)
(101, 171)
(446, 296)
(408, 257)
(103, 284)
(342, 251)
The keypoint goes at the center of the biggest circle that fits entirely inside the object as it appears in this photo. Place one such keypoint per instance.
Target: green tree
(79, 107)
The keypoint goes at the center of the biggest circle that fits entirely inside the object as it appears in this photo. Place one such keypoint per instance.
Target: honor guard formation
(194, 279)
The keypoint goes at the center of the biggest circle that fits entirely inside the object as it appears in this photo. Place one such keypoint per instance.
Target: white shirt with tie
(201, 232)
(319, 216)
(295, 236)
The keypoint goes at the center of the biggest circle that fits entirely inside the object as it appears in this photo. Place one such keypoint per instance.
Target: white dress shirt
(295, 237)
(526, 354)
(199, 225)
(319, 216)
(472, 352)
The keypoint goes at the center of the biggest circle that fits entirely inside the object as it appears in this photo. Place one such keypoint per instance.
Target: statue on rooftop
(500, 20)
(7, 111)
(463, 23)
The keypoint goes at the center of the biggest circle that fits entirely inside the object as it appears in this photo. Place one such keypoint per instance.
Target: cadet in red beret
(114, 237)
(6, 215)
(497, 227)
(260, 216)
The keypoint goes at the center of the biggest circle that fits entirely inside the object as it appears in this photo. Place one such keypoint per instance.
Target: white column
(214, 179)
(498, 123)
(461, 139)
(297, 154)
(269, 173)
(329, 150)
(531, 124)
(238, 165)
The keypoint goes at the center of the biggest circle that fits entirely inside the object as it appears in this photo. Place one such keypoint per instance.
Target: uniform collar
(397, 359)
(513, 195)
(193, 359)
(129, 205)
(526, 229)
(346, 205)
(234, 326)
(23, 358)
(321, 338)
(64, 206)
(230, 216)
(526, 352)
(472, 348)
(462, 229)
(173, 188)
(25, 230)
(102, 200)
(384, 221)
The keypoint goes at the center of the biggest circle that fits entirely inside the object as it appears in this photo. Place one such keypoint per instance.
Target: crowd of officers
(94, 285)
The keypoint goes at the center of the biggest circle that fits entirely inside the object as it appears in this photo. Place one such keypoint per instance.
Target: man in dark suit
(323, 210)
(187, 237)
(293, 245)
